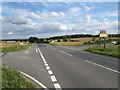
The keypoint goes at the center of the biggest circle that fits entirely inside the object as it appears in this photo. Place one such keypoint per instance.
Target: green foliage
(111, 50)
(42, 41)
(15, 48)
(58, 40)
(33, 39)
(93, 39)
(65, 39)
(11, 78)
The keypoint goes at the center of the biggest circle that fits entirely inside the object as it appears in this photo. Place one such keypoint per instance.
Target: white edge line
(102, 66)
(39, 83)
(66, 53)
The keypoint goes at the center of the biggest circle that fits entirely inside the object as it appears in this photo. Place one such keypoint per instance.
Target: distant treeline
(80, 36)
(60, 37)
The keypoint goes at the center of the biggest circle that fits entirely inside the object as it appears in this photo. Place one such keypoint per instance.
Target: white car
(114, 42)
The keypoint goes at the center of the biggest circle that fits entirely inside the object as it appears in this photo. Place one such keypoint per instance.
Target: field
(111, 50)
(11, 78)
(14, 48)
(79, 41)
(3, 44)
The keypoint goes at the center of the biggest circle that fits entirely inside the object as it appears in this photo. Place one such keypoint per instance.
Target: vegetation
(111, 50)
(11, 78)
(33, 39)
(15, 48)
(100, 42)
(61, 37)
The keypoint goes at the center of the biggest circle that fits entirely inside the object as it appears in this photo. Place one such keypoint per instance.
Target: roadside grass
(11, 78)
(14, 48)
(84, 44)
(111, 50)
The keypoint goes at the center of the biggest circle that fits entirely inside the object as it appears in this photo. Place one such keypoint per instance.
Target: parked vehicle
(118, 43)
(114, 42)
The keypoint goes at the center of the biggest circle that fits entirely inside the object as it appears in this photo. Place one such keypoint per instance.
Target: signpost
(104, 35)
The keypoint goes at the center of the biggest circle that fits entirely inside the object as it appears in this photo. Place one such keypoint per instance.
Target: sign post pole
(104, 43)
(104, 35)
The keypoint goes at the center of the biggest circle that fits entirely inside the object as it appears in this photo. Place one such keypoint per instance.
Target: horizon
(49, 19)
(55, 36)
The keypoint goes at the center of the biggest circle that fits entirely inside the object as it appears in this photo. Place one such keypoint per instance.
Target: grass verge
(11, 78)
(111, 50)
(14, 48)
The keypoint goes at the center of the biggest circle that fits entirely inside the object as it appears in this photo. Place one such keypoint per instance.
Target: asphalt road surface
(65, 67)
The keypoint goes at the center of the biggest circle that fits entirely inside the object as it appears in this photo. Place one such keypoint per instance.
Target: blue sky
(47, 19)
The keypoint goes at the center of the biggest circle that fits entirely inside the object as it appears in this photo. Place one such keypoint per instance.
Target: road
(65, 67)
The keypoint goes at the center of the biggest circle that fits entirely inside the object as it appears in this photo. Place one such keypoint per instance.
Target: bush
(58, 40)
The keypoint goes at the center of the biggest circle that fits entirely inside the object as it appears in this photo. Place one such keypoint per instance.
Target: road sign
(103, 35)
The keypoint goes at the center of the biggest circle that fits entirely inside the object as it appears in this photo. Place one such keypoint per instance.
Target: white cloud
(85, 6)
(1, 17)
(45, 4)
(111, 14)
(54, 14)
(10, 33)
(17, 20)
(106, 19)
(74, 9)
(63, 27)
(28, 23)
(89, 17)
(62, 14)
(0, 9)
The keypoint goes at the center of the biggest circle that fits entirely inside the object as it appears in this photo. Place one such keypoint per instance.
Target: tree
(33, 39)
(58, 40)
(64, 39)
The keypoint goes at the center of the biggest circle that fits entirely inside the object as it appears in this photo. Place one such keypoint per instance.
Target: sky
(47, 19)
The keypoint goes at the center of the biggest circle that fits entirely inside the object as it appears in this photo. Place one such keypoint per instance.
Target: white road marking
(50, 72)
(46, 64)
(53, 48)
(57, 86)
(66, 53)
(102, 66)
(26, 51)
(39, 83)
(41, 55)
(53, 78)
(47, 67)
(36, 51)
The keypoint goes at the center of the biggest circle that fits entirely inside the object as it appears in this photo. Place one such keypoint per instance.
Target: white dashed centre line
(56, 85)
(47, 67)
(46, 64)
(26, 51)
(53, 78)
(36, 51)
(50, 72)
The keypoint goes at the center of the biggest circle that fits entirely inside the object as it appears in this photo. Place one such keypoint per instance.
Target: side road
(27, 62)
